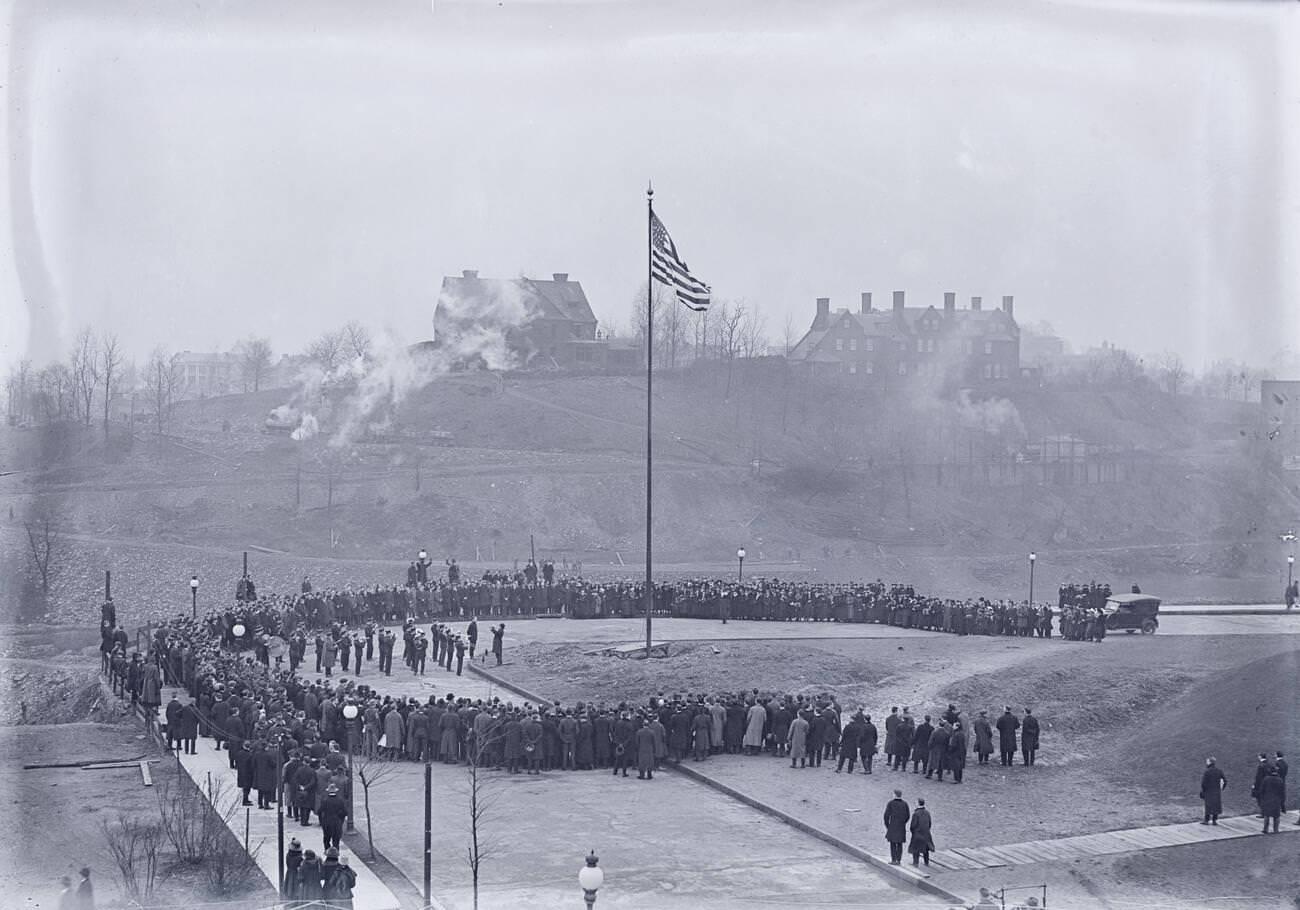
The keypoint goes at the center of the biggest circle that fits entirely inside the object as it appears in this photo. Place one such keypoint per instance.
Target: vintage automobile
(1132, 613)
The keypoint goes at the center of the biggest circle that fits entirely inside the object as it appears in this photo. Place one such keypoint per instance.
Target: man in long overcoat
(1272, 798)
(938, 750)
(922, 839)
(983, 738)
(921, 746)
(867, 745)
(956, 757)
(645, 753)
(1028, 737)
(1213, 782)
(897, 813)
(756, 718)
(1008, 724)
(797, 737)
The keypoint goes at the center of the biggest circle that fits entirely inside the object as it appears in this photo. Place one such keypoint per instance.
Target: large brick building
(964, 347)
(547, 322)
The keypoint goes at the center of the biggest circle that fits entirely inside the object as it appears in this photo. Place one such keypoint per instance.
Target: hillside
(948, 493)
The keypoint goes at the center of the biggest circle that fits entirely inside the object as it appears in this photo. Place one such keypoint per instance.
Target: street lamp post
(194, 597)
(422, 573)
(1033, 557)
(350, 714)
(237, 630)
(590, 877)
(1290, 568)
(740, 571)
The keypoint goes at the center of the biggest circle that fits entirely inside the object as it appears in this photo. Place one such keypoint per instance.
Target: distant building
(201, 375)
(965, 347)
(1279, 402)
(547, 322)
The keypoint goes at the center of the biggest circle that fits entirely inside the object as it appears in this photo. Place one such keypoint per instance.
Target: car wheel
(1148, 626)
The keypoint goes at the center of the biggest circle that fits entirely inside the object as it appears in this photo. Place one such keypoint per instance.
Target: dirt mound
(1076, 699)
(1233, 716)
(36, 692)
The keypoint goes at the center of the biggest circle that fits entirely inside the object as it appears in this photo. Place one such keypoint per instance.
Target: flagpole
(649, 380)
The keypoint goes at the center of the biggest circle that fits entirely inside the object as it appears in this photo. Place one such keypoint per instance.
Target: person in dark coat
(921, 746)
(1028, 737)
(310, 877)
(922, 840)
(1213, 783)
(264, 775)
(645, 753)
(702, 732)
(938, 750)
(244, 770)
(850, 740)
(304, 785)
(190, 719)
(1261, 771)
(983, 738)
(1272, 798)
(897, 813)
(622, 736)
(956, 754)
(337, 881)
(1008, 724)
(333, 812)
(867, 746)
(903, 735)
(292, 863)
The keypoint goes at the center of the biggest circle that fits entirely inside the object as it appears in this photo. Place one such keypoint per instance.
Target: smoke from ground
(363, 394)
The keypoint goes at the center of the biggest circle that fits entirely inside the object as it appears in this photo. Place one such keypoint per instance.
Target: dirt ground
(1126, 727)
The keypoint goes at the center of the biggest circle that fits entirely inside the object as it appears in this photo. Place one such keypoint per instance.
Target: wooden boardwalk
(964, 859)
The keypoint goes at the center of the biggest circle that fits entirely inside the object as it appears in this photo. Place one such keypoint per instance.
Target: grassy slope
(560, 458)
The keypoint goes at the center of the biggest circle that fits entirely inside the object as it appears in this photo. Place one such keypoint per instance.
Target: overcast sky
(192, 174)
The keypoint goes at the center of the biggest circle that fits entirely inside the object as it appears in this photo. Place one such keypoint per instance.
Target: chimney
(1009, 306)
(823, 318)
(560, 276)
(866, 302)
(949, 303)
(898, 303)
(469, 273)
(975, 304)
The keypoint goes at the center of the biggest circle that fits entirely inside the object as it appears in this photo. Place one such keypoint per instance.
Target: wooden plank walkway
(965, 859)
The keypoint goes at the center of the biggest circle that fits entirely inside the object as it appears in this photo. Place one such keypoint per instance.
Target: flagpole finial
(649, 189)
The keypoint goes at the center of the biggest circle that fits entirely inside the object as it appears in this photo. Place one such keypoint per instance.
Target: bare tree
(84, 367)
(357, 342)
(110, 367)
(1172, 371)
(753, 338)
(55, 393)
(254, 361)
(371, 772)
(728, 321)
(20, 391)
(327, 351)
(789, 334)
(483, 795)
(160, 381)
(134, 844)
(44, 525)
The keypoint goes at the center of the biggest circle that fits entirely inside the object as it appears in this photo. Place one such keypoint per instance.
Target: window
(853, 368)
(853, 344)
(988, 347)
(839, 344)
(871, 367)
(871, 344)
(988, 371)
(920, 345)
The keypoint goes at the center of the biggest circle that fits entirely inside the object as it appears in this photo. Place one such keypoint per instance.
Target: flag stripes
(669, 268)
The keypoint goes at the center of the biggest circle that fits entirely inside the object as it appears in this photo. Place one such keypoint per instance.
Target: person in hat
(1007, 725)
(1029, 737)
(645, 752)
(922, 839)
(983, 738)
(897, 812)
(333, 812)
(85, 891)
(1272, 798)
(310, 877)
(337, 880)
(1213, 783)
(292, 861)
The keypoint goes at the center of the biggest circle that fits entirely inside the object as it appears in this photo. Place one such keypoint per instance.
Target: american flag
(669, 268)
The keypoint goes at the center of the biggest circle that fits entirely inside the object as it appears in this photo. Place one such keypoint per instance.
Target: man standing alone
(1028, 737)
(897, 813)
(1213, 783)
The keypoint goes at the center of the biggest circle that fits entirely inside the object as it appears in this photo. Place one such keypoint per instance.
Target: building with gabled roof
(958, 347)
(542, 319)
